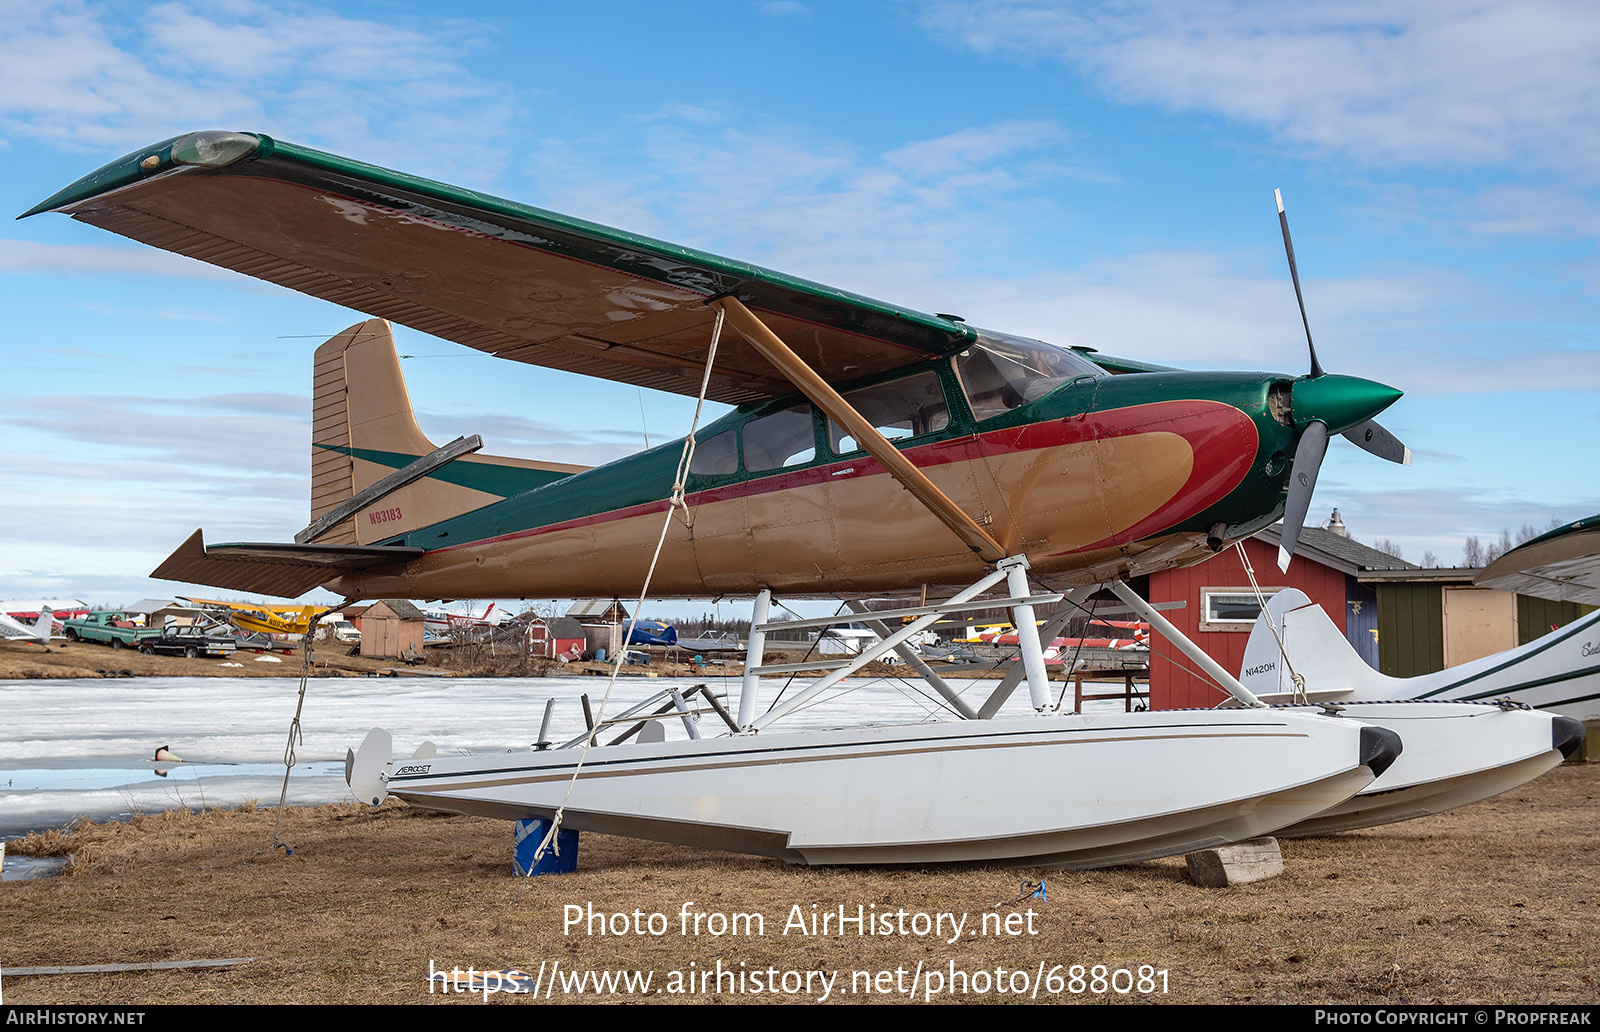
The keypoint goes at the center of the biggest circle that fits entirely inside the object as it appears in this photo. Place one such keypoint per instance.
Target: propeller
(1321, 404)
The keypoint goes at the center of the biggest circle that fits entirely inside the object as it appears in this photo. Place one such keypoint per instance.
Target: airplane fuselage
(1103, 475)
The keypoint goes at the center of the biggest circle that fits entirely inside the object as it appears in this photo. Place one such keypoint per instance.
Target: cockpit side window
(907, 407)
(780, 440)
(1001, 372)
(716, 456)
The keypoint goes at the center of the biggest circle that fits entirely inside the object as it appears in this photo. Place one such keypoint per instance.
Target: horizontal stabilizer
(270, 568)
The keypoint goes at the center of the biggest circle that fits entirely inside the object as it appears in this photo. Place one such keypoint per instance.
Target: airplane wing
(506, 278)
(272, 569)
(1563, 565)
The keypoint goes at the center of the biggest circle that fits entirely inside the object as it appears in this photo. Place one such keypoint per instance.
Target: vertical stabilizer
(1317, 650)
(363, 429)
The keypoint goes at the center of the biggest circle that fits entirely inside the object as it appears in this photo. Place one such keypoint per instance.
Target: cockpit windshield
(1002, 372)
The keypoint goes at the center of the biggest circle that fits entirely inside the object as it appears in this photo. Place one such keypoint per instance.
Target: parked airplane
(40, 632)
(262, 618)
(1090, 467)
(36, 619)
(872, 449)
(1563, 564)
(1470, 731)
(1559, 672)
(29, 609)
(440, 622)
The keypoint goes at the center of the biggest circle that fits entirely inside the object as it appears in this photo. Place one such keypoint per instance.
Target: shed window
(1231, 609)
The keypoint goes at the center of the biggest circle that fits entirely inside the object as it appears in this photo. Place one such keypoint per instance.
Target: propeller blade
(1294, 274)
(1302, 481)
(1371, 437)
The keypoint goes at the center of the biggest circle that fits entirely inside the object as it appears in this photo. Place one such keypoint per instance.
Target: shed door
(1477, 623)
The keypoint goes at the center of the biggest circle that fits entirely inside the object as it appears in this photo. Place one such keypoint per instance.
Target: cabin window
(1231, 609)
(716, 456)
(1001, 372)
(908, 407)
(783, 439)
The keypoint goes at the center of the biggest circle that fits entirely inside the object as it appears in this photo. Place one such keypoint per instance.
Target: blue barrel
(526, 836)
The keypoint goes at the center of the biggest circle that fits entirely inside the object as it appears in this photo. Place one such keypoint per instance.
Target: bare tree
(1389, 546)
(1475, 553)
(1430, 560)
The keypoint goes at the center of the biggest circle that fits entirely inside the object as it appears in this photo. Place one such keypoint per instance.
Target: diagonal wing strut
(814, 387)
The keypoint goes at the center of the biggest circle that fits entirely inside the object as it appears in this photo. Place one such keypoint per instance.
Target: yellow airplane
(261, 618)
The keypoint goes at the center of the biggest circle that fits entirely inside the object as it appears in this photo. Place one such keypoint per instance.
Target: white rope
(674, 503)
(307, 661)
(1298, 679)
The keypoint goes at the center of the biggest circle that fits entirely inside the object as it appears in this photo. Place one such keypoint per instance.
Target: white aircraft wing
(1563, 565)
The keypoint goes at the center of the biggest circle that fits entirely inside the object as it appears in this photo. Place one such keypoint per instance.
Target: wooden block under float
(1238, 864)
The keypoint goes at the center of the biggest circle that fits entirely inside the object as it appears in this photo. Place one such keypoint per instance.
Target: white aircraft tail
(15, 630)
(1315, 649)
(363, 430)
(1557, 672)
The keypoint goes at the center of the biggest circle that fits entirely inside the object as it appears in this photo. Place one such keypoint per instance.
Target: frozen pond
(83, 747)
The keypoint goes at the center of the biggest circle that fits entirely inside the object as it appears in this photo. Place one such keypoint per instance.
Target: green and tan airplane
(872, 449)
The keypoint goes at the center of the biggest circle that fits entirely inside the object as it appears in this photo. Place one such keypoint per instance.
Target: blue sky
(1088, 173)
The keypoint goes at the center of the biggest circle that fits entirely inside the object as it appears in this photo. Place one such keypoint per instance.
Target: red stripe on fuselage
(1222, 438)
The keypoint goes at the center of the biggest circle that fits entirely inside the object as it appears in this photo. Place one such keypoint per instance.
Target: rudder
(363, 429)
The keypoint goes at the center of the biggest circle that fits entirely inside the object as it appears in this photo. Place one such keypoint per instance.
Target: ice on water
(84, 747)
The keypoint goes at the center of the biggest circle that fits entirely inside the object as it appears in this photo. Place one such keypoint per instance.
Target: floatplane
(1471, 731)
(871, 450)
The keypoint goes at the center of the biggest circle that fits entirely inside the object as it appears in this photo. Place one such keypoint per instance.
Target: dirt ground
(1494, 903)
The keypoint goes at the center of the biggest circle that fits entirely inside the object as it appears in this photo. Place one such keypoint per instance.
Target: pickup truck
(109, 628)
(190, 642)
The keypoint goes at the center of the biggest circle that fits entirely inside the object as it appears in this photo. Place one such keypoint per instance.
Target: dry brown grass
(1494, 903)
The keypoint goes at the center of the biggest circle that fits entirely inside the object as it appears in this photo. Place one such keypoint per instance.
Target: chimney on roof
(1336, 525)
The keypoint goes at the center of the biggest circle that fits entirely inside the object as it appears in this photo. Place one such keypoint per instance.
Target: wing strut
(821, 394)
(1013, 569)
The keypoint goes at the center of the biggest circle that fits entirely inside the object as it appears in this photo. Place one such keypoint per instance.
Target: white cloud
(813, 205)
(1392, 82)
(527, 438)
(931, 224)
(1441, 519)
(24, 256)
(93, 77)
(262, 432)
